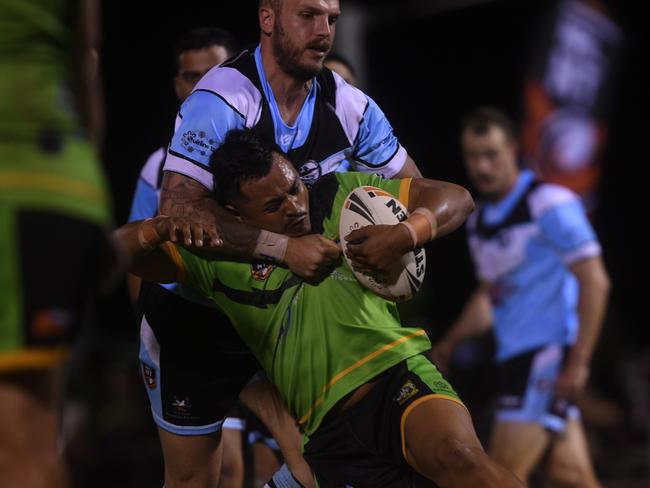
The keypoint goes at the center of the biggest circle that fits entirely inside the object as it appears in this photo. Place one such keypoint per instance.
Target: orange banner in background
(567, 96)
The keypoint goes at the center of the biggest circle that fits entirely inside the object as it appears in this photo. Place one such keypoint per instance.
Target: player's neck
(289, 93)
(507, 189)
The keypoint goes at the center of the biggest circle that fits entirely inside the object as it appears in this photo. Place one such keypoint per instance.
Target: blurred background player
(342, 67)
(544, 288)
(54, 215)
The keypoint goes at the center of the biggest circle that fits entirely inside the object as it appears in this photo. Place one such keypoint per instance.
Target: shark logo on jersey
(198, 141)
(261, 271)
(309, 172)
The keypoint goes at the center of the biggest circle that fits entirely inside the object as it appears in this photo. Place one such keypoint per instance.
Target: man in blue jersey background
(543, 287)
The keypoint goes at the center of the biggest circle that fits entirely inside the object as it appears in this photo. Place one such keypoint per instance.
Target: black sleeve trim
(379, 165)
(182, 156)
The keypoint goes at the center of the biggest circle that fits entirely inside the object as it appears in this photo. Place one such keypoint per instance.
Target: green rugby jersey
(316, 343)
(46, 162)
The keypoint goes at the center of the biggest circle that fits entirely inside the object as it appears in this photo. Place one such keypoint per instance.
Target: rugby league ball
(367, 205)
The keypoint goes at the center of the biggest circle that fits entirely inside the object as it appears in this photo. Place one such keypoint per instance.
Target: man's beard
(288, 56)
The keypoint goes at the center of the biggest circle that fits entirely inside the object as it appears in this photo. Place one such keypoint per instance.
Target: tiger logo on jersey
(261, 271)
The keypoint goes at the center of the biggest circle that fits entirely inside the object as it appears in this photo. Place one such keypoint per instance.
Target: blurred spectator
(342, 67)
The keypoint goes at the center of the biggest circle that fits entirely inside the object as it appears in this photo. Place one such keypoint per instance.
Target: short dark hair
(243, 156)
(201, 38)
(481, 119)
(336, 57)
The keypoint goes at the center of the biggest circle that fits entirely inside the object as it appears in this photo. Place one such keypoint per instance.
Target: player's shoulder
(349, 98)
(546, 196)
(234, 83)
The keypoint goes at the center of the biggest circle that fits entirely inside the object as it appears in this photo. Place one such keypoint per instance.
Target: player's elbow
(599, 278)
(468, 201)
(604, 282)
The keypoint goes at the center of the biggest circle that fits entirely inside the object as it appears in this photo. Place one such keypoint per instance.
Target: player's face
(303, 34)
(342, 70)
(278, 202)
(193, 64)
(491, 162)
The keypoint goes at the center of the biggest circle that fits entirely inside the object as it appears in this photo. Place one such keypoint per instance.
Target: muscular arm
(185, 198)
(374, 249)
(263, 399)
(148, 262)
(450, 204)
(409, 170)
(310, 257)
(592, 300)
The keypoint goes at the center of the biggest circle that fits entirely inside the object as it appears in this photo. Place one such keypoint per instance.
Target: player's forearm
(594, 289)
(474, 319)
(409, 170)
(185, 198)
(139, 242)
(449, 204)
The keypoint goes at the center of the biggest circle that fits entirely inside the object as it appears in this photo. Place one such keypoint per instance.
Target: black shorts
(526, 389)
(363, 446)
(194, 364)
(49, 265)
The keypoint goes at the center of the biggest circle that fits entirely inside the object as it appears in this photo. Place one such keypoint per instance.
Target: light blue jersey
(523, 246)
(339, 128)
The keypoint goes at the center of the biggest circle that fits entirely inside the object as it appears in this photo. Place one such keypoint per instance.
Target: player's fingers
(173, 230)
(215, 240)
(357, 236)
(197, 234)
(187, 233)
(332, 251)
(355, 250)
(357, 258)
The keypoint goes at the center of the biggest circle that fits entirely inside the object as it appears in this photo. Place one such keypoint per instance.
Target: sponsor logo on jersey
(149, 375)
(407, 390)
(261, 271)
(198, 141)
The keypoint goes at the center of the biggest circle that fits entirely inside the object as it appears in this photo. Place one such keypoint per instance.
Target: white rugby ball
(367, 205)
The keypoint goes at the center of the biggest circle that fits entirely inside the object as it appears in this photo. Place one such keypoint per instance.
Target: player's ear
(266, 18)
(235, 213)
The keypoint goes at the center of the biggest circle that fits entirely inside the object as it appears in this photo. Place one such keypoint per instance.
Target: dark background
(425, 70)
